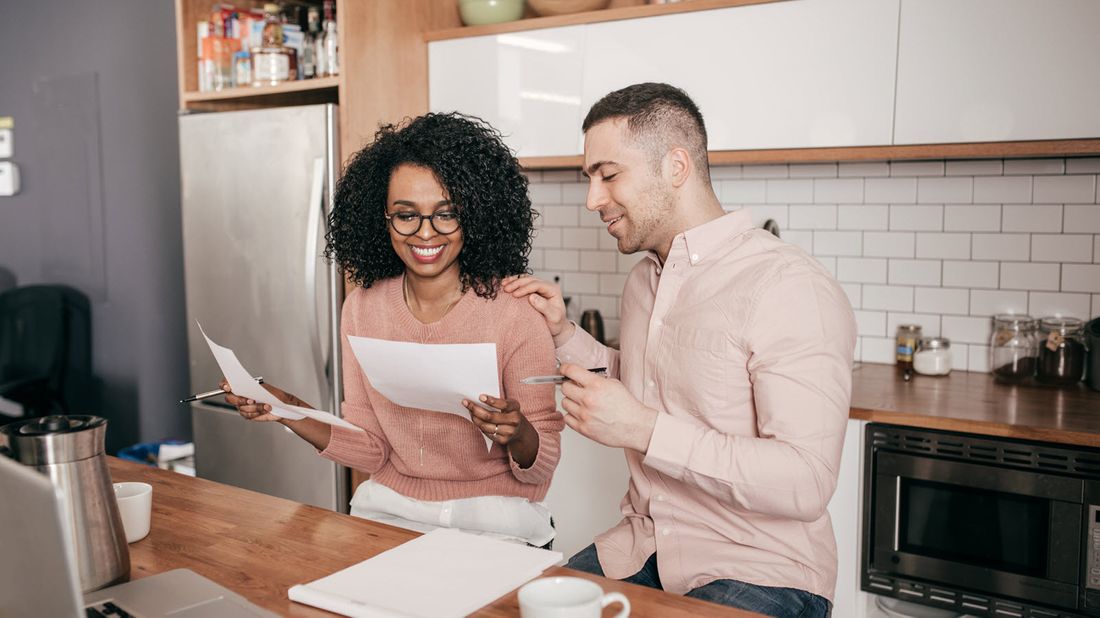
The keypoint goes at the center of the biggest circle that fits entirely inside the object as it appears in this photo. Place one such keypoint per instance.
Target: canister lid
(54, 439)
(934, 343)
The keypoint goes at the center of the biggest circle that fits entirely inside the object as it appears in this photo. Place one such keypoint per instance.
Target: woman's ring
(495, 429)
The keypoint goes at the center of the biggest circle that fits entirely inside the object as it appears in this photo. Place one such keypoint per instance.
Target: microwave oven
(981, 525)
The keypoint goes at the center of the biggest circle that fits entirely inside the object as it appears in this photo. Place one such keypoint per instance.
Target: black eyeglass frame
(420, 224)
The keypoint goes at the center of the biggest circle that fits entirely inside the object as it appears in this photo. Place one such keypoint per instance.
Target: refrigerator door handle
(316, 211)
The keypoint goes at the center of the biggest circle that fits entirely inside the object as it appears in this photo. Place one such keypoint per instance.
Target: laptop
(38, 574)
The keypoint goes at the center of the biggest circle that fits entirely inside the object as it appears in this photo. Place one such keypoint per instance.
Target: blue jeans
(777, 602)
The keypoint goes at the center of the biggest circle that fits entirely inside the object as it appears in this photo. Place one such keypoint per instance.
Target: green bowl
(482, 12)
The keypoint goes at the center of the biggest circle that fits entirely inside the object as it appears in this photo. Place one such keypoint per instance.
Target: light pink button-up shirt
(743, 344)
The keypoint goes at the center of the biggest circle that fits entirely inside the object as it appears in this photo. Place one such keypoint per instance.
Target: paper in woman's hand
(244, 385)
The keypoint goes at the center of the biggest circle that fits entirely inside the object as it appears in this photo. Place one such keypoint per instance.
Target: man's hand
(601, 409)
(546, 298)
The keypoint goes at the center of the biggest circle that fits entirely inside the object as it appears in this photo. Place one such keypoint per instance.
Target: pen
(198, 396)
(558, 379)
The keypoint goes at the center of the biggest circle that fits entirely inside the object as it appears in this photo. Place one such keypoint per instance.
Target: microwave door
(999, 530)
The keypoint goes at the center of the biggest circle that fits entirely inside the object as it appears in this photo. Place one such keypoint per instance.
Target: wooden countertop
(259, 546)
(974, 403)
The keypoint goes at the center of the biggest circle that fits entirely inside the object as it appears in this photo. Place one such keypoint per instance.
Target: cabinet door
(845, 511)
(526, 84)
(996, 70)
(782, 75)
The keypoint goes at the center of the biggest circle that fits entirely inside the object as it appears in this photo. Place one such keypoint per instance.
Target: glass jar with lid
(1014, 347)
(907, 338)
(933, 356)
(1061, 350)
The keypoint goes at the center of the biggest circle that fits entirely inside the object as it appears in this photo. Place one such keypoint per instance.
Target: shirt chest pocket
(694, 368)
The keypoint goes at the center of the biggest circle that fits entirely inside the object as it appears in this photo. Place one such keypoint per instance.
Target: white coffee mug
(135, 504)
(567, 597)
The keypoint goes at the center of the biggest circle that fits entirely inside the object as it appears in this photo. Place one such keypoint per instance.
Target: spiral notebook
(440, 574)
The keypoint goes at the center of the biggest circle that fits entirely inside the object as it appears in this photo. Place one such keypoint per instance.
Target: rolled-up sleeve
(799, 339)
(583, 349)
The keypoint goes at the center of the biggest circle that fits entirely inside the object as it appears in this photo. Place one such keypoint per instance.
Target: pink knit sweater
(434, 456)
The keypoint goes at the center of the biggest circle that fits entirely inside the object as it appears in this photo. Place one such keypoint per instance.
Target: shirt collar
(704, 240)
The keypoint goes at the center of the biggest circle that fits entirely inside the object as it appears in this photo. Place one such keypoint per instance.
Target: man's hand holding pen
(602, 409)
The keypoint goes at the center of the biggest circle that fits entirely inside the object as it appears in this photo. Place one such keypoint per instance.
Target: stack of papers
(443, 573)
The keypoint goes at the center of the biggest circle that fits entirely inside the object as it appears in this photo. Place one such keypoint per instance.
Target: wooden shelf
(981, 150)
(614, 13)
(304, 85)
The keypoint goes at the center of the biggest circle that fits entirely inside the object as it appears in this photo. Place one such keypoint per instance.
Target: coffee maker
(70, 451)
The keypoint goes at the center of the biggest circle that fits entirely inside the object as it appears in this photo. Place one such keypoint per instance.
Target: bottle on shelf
(331, 42)
(309, 45)
(271, 60)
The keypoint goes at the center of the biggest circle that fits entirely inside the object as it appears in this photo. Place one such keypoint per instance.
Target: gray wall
(92, 89)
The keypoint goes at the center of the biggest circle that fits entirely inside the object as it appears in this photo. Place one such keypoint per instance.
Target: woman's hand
(256, 411)
(502, 425)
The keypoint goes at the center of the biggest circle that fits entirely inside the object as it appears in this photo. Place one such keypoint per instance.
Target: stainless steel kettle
(70, 451)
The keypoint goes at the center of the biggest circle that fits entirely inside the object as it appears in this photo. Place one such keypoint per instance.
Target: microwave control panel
(1092, 546)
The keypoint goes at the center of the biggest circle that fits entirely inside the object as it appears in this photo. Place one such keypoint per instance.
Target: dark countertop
(974, 403)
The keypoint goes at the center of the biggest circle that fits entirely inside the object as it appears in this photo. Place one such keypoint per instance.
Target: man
(735, 369)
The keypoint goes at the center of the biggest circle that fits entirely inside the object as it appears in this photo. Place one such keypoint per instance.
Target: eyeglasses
(409, 223)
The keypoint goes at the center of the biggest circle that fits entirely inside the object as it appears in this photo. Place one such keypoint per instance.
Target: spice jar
(933, 356)
(908, 336)
(1014, 347)
(1061, 350)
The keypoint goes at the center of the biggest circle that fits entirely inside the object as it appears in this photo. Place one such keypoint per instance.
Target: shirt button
(666, 532)
(660, 498)
(659, 322)
(652, 383)
(694, 257)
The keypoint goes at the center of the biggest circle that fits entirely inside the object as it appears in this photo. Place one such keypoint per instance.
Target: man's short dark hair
(660, 117)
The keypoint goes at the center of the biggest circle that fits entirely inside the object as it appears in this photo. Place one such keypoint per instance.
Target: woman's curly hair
(480, 176)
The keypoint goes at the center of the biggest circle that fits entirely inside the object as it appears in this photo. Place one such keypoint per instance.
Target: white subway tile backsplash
(878, 350)
(971, 274)
(608, 306)
(863, 170)
(1002, 190)
(861, 270)
(971, 218)
(1095, 306)
(934, 190)
(834, 190)
(561, 259)
(608, 242)
(889, 244)
(966, 329)
(580, 238)
(535, 259)
(1029, 276)
(1061, 304)
(1061, 248)
(574, 193)
(1096, 249)
(979, 358)
(838, 243)
(1065, 189)
(545, 193)
(941, 301)
(812, 170)
(612, 284)
(725, 172)
(888, 297)
(764, 171)
(871, 323)
(1023, 167)
(789, 191)
(959, 356)
(914, 272)
(598, 261)
(992, 302)
(870, 217)
(890, 191)
(1082, 218)
(743, 191)
(929, 323)
(951, 245)
(558, 216)
(828, 263)
(916, 168)
(591, 219)
(812, 217)
(1083, 165)
(558, 176)
(1081, 277)
(1032, 218)
(547, 238)
(990, 167)
(628, 260)
(1005, 247)
(916, 218)
(580, 283)
(803, 239)
(762, 212)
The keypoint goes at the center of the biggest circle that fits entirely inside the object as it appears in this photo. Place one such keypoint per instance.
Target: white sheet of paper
(244, 385)
(426, 376)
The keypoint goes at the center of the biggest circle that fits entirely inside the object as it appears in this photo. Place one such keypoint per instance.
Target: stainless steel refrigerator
(256, 191)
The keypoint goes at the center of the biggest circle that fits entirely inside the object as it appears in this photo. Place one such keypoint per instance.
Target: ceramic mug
(567, 597)
(135, 504)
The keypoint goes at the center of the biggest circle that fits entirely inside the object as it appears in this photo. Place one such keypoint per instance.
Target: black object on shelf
(1092, 336)
(592, 322)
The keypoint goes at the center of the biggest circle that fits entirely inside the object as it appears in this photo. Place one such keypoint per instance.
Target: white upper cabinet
(998, 70)
(807, 73)
(526, 84)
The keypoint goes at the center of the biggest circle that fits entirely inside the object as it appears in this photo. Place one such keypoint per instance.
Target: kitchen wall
(944, 244)
(92, 89)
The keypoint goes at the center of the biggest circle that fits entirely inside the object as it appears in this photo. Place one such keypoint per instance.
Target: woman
(428, 220)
